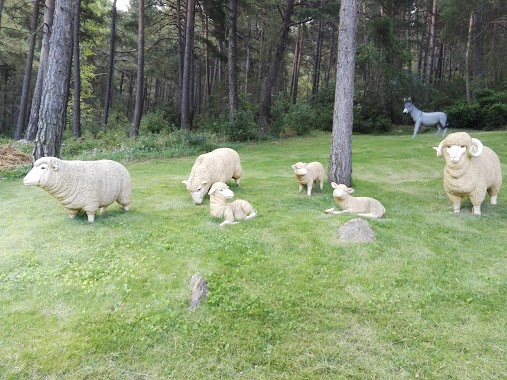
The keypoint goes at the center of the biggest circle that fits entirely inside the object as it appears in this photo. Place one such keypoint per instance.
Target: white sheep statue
(471, 169)
(219, 165)
(230, 212)
(362, 206)
(307, 174)
(82, 185)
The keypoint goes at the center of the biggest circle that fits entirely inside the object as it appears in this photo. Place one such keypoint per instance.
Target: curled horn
(479, 148)
(439, 148)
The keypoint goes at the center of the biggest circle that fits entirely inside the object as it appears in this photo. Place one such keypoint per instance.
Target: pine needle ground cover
(287, 300)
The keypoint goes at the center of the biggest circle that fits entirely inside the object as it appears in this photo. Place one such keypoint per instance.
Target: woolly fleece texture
(471, 169)
(362, 206)
(307, 174)
(82, 185)
(231, 212)
(220, 165)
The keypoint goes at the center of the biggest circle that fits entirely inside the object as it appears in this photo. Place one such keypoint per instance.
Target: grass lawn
(109, 300)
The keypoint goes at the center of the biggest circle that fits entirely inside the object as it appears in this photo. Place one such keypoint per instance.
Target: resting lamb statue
(471, 169)
(230, 212)
(307, 174)
(362, 206)
(220, 165)
(82, 185)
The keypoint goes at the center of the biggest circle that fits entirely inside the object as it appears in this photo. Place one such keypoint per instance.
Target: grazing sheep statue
(82, 185)
(220, 165)
(231, 212)
(307, 174)
(362, 206)
(471, 169)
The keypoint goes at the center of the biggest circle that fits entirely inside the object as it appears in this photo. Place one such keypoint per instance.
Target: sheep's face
(299, 168)
(341, 191)
(455, 153)
(197, 192)
(41, 170)
(220, 189)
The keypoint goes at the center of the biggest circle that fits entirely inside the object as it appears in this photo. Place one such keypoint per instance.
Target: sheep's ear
(334, 185)
(350, 190)
(293, 166)
(185, 182)
(439, 148)
(211, 191)
(204, 182)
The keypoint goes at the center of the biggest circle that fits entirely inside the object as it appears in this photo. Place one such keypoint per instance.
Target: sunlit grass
(109, 300)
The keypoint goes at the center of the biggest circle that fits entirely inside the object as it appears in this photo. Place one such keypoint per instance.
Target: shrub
(466, 116)
(496, 117)
(243, 127)
(298, 120)
(156, 122)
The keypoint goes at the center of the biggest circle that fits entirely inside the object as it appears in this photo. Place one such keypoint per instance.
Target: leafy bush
(299, 120)
(243, 127)
(465, 116)
(156, 122)
(496, 116)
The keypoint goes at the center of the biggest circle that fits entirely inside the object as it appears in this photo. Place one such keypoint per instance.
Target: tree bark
(25, 92)
(138, 110)
(49, 12)
(467, 58)
(317, 59)
(56, 84)
(340, 162)
(296, 65)
(76, 125)
(432, 36)
(187, 66)
(233, 76)
(108, 98)
(276, 61)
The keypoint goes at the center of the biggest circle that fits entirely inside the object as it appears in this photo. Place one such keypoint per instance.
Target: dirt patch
(10, 157)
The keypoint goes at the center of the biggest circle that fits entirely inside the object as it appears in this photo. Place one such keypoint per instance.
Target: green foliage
(288, 299)
(156, 122)
(489, 112)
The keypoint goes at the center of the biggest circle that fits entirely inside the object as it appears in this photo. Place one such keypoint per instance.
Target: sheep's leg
(494, 199)
(300, 188)
(456, 202)
(72, 213)
(225, 222)
(321, 182)
(333, 211)
(251, 215)
(91, 217)
(309, 190)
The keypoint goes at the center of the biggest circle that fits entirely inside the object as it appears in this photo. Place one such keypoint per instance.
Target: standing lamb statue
(220, 165)
(362, 206)
(82, 185)
(471, 169)
(307, 174)
(231, 212)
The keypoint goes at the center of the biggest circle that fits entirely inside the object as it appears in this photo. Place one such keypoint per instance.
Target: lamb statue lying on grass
(362, 206)
(82, 185)
(231, 212)
(220, 165)
(307, 174)
(471, 169)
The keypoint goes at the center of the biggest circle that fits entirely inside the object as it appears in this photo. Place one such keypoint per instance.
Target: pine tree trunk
(340, 162)
(317, 59)
(56, 84)
(233, 76)
(432, 36)
(33, 122)
(138, 110)
(108, 96)
(25, 92)
(276, 61)
(296, 66)
(467, 58)
(76, 125)
(187, 66)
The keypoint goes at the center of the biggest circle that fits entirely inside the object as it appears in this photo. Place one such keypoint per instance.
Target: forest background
(250, 70)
